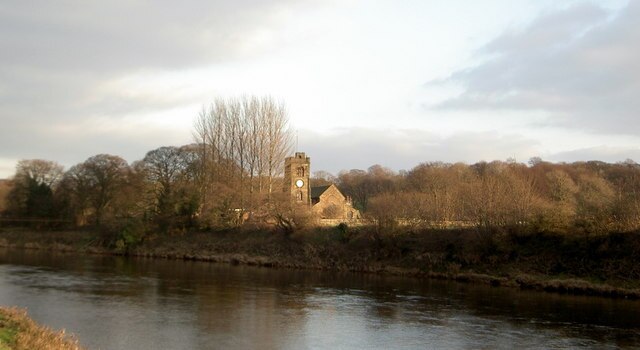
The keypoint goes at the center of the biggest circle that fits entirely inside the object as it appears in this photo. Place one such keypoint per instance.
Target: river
(119, 303)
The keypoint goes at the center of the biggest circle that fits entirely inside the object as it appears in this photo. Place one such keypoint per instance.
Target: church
(326, 202)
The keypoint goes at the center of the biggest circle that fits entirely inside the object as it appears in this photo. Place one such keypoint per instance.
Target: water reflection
(118, 303)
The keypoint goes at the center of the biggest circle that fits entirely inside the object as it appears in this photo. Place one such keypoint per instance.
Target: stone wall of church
(333, 205)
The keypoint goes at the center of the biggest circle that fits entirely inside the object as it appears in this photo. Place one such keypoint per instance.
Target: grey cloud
(57, 57)
(110, 36)
(359, 148)
(56, 53)
(69, 147)
(601, 153)
(582, 65)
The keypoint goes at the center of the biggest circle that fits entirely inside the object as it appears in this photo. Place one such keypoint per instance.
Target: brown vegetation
(438, 217)
(590, 198)
(230, 172)
(228, 179)
(19, 332)
(5, 187)
(594, 265)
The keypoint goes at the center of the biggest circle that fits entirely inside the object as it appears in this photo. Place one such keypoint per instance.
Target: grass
(8, 332)
(7, 338)
(19, 332)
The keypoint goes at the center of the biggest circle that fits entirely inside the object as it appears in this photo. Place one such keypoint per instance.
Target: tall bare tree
(244, 142)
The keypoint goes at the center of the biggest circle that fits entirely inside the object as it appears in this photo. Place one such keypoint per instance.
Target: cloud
(71, 144)
(580, 65)
(66, 65)
(359, 148)
(601, 153)
(61, 58)
(110, 36)
(57, 57)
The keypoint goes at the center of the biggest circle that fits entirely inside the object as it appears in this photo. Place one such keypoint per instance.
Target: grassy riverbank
(19, 332)
(577, 264)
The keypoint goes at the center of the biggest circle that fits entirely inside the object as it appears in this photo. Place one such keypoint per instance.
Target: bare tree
(172, 174)
(438, 181)
(595, 200)
(41, 171)
(33, 185)
(244, 142)
(278, 138)
(97, 182)
(362, 185)
(5, 188)
(322, 178)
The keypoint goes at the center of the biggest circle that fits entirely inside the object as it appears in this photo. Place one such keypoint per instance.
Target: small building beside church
(326, 202)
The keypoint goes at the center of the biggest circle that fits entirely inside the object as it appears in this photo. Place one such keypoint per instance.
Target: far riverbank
(602, 266)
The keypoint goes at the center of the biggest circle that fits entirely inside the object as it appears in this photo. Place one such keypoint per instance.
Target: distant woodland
(231, 176)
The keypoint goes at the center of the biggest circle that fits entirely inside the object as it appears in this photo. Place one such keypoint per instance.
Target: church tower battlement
(296, 178)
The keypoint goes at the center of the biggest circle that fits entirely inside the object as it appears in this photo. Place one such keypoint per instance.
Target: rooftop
(317, 191)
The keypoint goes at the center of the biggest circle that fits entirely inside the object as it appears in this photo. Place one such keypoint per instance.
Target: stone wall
(334, 205)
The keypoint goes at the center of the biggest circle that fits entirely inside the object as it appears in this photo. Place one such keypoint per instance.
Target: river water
(119, 303)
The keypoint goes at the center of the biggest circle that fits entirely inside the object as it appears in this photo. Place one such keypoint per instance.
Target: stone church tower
(296, 178)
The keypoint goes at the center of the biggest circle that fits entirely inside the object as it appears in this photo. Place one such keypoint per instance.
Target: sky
(394, 83)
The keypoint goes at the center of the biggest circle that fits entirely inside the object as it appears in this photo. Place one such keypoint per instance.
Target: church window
(301, 171)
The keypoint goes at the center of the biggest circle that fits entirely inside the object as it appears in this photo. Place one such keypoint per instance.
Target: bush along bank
(604, 265)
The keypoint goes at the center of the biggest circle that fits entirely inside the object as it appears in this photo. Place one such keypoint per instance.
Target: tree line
(230, 170)
(590, 197)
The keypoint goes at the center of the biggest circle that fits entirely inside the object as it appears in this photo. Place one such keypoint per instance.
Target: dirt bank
(602, 266)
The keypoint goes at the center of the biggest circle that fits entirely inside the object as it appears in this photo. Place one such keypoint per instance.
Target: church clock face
(299, 183)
